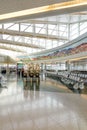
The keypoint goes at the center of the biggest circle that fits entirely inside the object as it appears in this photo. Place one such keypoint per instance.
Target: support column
(68, 65)
(7, 70)
(41, 66)
(19, 27)
(68, 25)
(45, 66)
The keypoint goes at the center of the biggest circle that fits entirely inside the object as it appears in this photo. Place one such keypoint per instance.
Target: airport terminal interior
(43, 65)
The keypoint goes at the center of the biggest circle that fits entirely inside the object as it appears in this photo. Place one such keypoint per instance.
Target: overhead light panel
(42, 9)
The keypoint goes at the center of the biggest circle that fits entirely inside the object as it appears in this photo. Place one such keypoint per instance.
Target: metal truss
(31, 35)
(45, 33)
(11, 49)
(14, 43)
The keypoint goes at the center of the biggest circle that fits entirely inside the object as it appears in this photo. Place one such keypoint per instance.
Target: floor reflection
(47, 84)
(32, 85)
(18, 84)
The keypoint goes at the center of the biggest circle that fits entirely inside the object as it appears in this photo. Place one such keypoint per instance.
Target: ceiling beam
(54, 22)
(11, 49)
(28, 34)
(2, 41)
(34, 21)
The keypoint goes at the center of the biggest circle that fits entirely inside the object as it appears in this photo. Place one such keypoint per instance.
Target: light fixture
(59, 6)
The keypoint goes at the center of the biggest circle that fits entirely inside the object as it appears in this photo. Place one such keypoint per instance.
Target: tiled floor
(23, 109)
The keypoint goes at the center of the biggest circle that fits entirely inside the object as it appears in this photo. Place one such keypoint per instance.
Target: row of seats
(72, 79)
(3, 81)
(73, 75)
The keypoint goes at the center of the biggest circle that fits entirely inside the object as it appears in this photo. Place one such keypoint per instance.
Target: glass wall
(41, 34)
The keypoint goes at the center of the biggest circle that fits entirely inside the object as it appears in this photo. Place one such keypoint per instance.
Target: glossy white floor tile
(43, 111)
(39, 110)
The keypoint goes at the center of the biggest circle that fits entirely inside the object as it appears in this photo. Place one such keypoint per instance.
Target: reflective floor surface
(24, 107)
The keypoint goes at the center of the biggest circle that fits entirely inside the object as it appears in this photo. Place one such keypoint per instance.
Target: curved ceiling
(15, 10)
(28, 10)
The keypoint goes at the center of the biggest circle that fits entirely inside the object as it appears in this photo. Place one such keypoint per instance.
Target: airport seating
(74, 80)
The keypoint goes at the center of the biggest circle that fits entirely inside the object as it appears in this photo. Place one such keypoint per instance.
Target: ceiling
(13, 6)
(54, 16)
